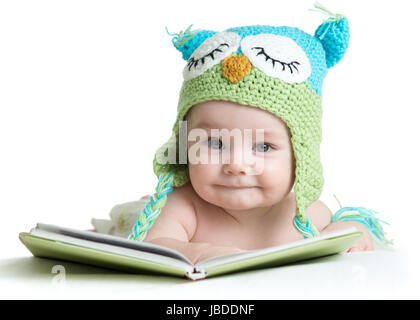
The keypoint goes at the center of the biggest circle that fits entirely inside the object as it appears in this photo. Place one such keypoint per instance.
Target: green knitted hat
(277, 69)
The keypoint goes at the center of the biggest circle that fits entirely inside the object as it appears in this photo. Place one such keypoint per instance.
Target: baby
(263, 85)
(223, 209)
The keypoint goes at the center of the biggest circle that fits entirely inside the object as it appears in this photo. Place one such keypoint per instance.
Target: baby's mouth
(237, 187)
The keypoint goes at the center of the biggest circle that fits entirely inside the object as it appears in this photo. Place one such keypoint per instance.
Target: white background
(89, 89)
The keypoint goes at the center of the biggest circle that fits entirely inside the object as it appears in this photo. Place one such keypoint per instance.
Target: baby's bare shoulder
(181, 198)
(177, 218)
(320, 214)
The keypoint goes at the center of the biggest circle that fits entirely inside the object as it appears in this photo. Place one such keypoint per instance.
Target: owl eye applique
(211, 52)
(277, 56)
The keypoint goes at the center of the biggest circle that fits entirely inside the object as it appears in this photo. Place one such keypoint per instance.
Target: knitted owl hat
(277, 69)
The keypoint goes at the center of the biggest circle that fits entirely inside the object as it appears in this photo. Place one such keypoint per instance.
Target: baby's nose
(239, 169)
(240, 160)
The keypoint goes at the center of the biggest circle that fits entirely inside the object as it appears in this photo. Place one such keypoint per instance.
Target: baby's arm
(321, 216)
(175, 227)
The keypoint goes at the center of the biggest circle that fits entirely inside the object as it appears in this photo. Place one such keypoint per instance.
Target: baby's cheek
(276, 173)
(276, 180)
(203, 174)
(202, 177)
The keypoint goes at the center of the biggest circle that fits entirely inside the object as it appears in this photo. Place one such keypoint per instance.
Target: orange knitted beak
(235, 68)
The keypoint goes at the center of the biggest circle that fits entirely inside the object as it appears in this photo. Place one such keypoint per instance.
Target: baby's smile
(240, 187)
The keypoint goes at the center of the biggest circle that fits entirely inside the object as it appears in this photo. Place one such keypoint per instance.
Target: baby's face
(260, 169)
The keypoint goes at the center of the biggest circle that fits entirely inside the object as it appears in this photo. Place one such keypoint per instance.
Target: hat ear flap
(189, 40)
(334, 36)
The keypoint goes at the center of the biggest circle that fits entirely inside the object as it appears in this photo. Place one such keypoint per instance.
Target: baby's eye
(277, 56)
(215, 143)
(262, 147)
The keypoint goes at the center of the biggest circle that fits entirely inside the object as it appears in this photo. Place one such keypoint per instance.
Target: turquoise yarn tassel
(367, 218)
(153, 208)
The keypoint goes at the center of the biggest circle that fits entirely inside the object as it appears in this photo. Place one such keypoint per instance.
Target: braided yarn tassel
(153, 208)
(307, 229)
(367, 218)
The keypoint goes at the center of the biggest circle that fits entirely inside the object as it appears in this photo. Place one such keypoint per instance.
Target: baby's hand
(364, 243)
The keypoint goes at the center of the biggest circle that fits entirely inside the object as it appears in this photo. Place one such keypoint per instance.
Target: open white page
(259, 252)
(113, 240)
(141, 255)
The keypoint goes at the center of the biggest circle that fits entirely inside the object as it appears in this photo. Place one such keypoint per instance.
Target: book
(92, 248)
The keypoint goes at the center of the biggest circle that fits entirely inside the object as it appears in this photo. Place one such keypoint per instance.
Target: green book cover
(113, 252)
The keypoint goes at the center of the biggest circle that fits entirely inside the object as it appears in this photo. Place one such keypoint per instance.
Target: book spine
(196, 274)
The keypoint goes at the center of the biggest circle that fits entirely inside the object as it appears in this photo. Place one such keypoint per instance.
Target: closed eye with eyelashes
(211, 52)
(277, 56)
(284, 64)
(194, 62)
